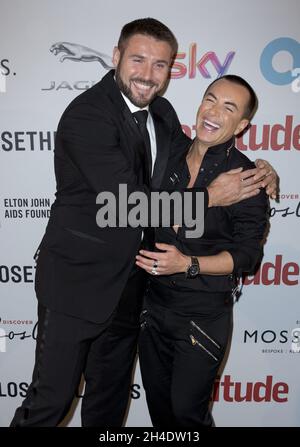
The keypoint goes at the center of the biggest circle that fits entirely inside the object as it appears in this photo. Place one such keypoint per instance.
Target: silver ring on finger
(154, 271)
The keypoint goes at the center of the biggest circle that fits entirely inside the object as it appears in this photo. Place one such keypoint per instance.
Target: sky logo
(191, 63)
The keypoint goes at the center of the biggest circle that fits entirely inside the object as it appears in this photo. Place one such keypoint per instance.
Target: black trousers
(68, 347)
(184, 334)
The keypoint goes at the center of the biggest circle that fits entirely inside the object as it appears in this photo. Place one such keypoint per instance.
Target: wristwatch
(194, 268)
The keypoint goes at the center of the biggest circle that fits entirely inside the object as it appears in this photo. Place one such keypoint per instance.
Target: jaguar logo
(79, 53)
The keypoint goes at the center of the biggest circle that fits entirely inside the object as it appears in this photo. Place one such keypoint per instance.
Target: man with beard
(88, 288)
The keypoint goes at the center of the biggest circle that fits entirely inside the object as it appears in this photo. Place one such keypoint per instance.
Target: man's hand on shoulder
(233, 186)
(270, 180)
(236, 185)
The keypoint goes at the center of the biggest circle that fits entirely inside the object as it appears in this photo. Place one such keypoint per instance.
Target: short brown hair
(149, 27)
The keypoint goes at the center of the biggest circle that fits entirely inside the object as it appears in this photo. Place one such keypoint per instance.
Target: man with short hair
(187, 315)
(88, 288)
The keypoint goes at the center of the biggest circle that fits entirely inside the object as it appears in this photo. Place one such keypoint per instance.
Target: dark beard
(139, 102)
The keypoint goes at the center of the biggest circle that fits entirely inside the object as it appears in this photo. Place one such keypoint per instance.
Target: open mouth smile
(142, 87)
(210, 126)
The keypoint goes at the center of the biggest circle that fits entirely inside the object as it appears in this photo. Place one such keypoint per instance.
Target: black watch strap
(194, 268)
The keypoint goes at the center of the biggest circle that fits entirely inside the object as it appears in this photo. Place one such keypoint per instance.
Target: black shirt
(238, 229)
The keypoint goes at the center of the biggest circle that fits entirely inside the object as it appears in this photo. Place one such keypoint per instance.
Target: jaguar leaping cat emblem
(79, 53)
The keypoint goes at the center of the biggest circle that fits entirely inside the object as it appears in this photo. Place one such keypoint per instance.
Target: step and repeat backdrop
(50, 52)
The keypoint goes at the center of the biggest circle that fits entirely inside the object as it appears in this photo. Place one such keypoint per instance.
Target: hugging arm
(249, 225)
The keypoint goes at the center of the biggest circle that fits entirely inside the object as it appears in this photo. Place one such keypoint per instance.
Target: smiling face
(221, 113)
(142, 68)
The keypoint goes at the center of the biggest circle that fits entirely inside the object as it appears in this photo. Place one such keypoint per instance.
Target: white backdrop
(257, 40)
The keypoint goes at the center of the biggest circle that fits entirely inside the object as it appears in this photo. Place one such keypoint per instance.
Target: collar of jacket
(110, 87)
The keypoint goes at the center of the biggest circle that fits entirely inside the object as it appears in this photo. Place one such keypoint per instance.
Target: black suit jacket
(82, 269)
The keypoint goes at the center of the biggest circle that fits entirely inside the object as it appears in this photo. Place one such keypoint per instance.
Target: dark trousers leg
(62, 346)
(194, 373)
(156, 357)
(108, 372)
(179, 371)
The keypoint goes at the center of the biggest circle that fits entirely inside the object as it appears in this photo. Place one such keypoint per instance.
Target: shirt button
(202, 169)
(173, 282)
